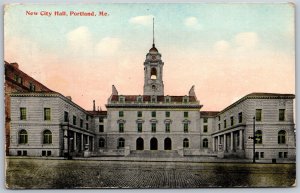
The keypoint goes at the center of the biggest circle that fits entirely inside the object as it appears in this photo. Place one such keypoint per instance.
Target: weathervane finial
(153, 33)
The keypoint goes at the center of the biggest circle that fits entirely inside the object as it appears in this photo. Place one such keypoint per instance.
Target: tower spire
(153, 45)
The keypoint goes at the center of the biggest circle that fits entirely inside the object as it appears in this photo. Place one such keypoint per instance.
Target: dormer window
(185, 99)
(139, 99)
(121, 99)
(167, 99)
(153, 99)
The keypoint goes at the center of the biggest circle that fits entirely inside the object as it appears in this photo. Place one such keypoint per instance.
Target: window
(47, 137)
(24, 153)
(139, 113)
(23, 137)
(256, 155)
(86, 126)
(231, 121)
(153, 127)
(100, 119)
(66, 116)
(205, 128)
(219, 126)
(262, 154)
(140, 127)
(205, 143)
(86, 117)
(48, 153)
(167, 127)
(219, 118)
(74, 120)
(281, 114)
(101, 142)
(258, 114)
(139, 99)
(167, 114)
(121, 99)
(168, 100)
(81, 123)
(47, 114)
(185, 100)
(285, 154)
(16, 77)
(121, 143)
(121, 113)
(185, 114)
(281, 137)
(205, 120)
(280, 154)
(153, 99)
(43, 153)
(19, 153)
(101, 128)
(153, 87)
(258, 137)
(153, 114)
(240, 117)
(153, 75)
(20, 80)
(31, 87)
(22, 113)
(185, 127)
(186, 143)
(121, 127)
(225, 124)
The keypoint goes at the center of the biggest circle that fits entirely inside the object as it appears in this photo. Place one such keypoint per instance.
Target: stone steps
(154, 153)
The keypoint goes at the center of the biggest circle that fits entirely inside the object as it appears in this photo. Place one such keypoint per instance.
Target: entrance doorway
(168, 144)
(153, 144)
(139, 144)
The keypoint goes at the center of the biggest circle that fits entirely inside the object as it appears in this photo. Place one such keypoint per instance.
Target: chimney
(94, 105)
(69, 97)
(15, 65)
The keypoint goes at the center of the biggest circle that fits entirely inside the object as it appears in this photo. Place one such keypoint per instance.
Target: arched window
(258, 137)
(23, 137)
(281, 137)
(205, 143)
(121, 143)
(47, 137)
(101, 142)
(186, 143)
(153, 74)
(153, 87)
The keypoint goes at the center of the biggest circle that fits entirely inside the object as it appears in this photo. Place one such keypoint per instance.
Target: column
(93, 143)
(225, 148)
(82, 147)
(88, 141)
(231, 141)
(65, 136)
(218, 142)
(75, 141)
(241, 140)
(214, 144)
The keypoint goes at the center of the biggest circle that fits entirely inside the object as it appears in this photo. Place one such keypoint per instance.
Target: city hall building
(46, 123)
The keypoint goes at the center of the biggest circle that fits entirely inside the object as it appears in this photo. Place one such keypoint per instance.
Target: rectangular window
(167, 100)
(16, 77)
(86, 117)
(22, 113)
(140, 127)
(81, 123)
(285, 154)
(86, 126)
(43, 153)
(167, 127)
(205, 128)
(262, 154)
(185, 127)
(256, 155)
(19, 153)
(74, 120)
(153, 127)
(186, 114)
(139, 113)
(121, 113)
(185, 100)
(281, 114)
(47, 114)
(219, 118)
(280, 154)
(225, 124)
(219, 126)
(153, 114)
(66, 116)
(101, 119)
(139, 99)
(31, 87)
(231, 121)
(101, 128)
(258, 114)
(167, 114)
(24, 153)
(205, 120)
(240, 117)
(121, 127)
(48, 153)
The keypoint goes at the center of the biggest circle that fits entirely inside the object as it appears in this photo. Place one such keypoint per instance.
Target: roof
(147, 98)
(208, 113)
(153, 49)
(99, 113)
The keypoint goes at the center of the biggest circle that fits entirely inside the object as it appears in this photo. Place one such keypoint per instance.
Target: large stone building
(49, 124)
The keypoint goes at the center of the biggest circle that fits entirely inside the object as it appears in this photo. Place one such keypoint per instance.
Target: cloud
(221, 46)
(79, 39)
(192, 22)
(246, 39)
(108, 45)
(144, 20)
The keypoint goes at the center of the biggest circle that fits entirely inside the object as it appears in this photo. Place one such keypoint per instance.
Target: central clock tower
(153, 73)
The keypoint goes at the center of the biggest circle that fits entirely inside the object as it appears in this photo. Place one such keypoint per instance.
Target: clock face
(153, 57)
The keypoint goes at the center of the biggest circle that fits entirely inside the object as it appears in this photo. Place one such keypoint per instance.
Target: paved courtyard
(45, 173)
